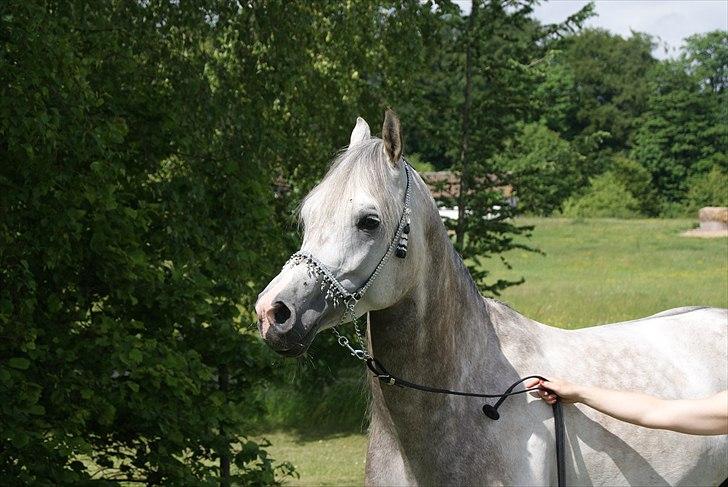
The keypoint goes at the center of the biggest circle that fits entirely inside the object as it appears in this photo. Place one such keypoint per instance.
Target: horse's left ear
(360, 133)
(392, 136)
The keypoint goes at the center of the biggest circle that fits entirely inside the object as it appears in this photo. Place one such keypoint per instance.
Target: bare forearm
(632, 407)
(707, 416)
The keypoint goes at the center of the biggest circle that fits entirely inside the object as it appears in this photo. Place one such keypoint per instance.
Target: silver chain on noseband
(337, 294)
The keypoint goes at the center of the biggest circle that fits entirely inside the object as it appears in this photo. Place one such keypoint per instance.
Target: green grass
(336, 460)
(593, 271)
(602, 271)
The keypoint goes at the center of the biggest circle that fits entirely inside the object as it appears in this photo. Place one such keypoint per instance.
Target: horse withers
(429, 324)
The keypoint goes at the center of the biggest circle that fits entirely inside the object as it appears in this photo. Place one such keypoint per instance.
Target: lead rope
(337, 294)
(491, 411)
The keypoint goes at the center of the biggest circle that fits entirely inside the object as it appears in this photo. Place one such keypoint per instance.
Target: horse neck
(442, 325)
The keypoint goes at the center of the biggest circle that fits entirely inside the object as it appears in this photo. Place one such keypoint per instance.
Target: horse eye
(368, 222)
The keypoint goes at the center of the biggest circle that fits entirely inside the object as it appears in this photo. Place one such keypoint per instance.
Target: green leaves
(133, 189)
(19, 363)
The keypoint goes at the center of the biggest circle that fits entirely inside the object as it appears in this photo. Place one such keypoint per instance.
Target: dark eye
(368, 222)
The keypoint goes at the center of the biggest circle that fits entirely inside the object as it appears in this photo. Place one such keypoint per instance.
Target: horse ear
(360, 133)
(392, 136)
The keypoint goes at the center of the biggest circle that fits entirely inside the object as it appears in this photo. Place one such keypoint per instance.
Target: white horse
(428, 324)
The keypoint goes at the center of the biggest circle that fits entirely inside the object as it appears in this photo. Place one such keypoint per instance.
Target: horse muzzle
(290, 310)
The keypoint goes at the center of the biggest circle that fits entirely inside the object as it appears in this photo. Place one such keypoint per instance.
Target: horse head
(351, 220)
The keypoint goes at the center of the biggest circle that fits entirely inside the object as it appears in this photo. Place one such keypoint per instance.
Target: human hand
(551, 390)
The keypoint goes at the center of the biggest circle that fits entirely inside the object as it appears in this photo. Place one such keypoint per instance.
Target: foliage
(609, 92)
(609, 97)
(420, 165)
(478, 87)
(710, 189)
(140, 143)
(606, 197)
(544, 168)
(706, 58)
(636, 179)
(683, 132)
(555, 98)
(130, 207)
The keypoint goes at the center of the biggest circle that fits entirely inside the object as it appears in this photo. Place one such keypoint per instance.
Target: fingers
(543, 393)
(547, 396)
(531, 383)
(550, 398)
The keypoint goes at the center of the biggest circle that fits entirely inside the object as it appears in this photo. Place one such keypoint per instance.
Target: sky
(669, 20)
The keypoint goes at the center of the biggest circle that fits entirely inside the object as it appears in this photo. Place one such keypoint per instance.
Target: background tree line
(153, 154)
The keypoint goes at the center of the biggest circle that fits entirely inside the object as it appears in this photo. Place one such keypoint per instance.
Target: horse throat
(436, 331)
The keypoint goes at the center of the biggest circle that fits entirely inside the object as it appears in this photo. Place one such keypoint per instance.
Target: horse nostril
(281, 313)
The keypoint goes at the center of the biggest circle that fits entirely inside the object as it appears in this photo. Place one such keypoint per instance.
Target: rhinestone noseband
(337, 294)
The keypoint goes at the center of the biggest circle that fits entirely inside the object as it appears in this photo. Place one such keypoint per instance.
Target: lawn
(601, 271)
(331, 460)
(591, 272)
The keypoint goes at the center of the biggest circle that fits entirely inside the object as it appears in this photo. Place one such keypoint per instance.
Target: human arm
(707, 416)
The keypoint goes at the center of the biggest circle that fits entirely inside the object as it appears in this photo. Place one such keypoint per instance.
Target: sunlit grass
(336, 460)
(601, 271)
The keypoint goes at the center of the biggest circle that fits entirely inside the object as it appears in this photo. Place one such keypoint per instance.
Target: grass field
(601, 271)
(593, 271)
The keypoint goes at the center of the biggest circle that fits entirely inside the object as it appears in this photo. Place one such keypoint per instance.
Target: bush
(606, 197)
(636, 179)
(710, 189)
(545, 169)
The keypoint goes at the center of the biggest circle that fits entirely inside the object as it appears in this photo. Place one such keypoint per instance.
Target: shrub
(709, 189)
(606, 197)
(636, 179)
(545, 169)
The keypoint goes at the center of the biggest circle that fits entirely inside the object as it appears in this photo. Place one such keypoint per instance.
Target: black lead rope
(491, 411)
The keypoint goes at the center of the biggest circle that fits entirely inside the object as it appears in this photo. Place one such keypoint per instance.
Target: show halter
(337, 293)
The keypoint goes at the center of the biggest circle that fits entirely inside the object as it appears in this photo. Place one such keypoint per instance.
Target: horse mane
(361, 167)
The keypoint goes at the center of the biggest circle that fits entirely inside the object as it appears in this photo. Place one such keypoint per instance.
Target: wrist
(582, 393)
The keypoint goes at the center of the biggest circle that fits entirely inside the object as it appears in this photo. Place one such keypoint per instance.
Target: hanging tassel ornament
(401, 250)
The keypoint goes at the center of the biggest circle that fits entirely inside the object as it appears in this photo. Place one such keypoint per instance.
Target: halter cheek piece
(336, 293)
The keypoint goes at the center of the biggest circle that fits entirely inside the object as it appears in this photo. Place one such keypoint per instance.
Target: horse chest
(448, 441)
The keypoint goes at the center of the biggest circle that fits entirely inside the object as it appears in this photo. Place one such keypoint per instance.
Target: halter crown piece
(336, 293)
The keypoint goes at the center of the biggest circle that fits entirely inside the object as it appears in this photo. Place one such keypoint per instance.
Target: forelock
(363, 167)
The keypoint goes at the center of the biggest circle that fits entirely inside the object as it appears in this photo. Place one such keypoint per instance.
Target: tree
(141, 146)
(609, 91)
(544, 168)
(683, 131)
(493, 49)
(706, 58)
(129, 206)
(472, 95)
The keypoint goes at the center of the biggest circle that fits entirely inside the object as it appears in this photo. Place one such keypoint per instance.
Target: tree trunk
(465, 127)
(223, 382)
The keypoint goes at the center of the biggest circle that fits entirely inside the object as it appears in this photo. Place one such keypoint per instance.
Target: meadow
(590, 272)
